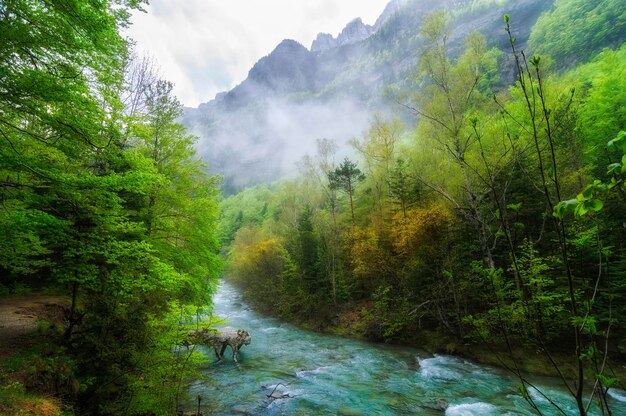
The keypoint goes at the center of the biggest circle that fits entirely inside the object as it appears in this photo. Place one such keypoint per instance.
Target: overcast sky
(208, 46)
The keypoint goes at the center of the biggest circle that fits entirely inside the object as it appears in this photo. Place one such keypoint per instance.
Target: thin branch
(420, 113)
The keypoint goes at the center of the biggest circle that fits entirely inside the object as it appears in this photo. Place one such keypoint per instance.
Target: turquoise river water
(290, 371)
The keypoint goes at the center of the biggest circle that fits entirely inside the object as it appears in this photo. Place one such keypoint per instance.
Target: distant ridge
(355, 30)
(257, 131)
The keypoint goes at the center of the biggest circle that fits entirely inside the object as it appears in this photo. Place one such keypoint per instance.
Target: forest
(493, 221)
(102, 201)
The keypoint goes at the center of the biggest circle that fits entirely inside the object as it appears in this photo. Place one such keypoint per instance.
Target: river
(316, 374)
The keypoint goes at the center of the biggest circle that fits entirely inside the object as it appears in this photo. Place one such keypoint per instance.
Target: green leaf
(515, 207)
(614, 183)
(564, 207)
(586, 194)
(607, 251)
(619, 142)
(595, 205)
(606, 380)
(602, 187)
(580, 210)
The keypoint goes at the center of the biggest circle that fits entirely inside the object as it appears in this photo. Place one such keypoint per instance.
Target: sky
(208, 46)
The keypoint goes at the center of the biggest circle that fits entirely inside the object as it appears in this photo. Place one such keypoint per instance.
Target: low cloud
(265, 142)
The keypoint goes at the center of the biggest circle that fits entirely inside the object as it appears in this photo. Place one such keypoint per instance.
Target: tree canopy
(102, 202)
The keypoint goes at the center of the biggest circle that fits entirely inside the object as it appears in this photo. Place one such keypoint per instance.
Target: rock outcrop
(354, 32)
(289, 67)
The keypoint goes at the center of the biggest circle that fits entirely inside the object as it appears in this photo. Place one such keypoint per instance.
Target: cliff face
(289, 67)
(354, 32)
(258, 130)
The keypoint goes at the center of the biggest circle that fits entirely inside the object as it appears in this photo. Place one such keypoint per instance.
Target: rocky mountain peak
(355, 31)
(324, 41)
(289, 66)
(293, 96)
(288, 45)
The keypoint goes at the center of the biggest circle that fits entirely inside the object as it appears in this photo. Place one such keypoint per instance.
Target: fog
(264, 140)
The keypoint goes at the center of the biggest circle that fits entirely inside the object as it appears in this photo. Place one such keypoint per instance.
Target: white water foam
(273, 330)
(619, 395)
(537, 396)
(471, 409)
(438, 368)
(327, 369)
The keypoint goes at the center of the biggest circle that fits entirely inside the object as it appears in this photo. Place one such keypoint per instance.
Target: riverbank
(521, 356)
(34, 372)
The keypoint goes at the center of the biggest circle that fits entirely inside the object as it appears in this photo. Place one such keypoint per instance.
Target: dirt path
(18, 316)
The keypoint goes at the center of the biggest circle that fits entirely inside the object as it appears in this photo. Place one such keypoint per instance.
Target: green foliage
(619, 143)
(249, 206)
(602, 84)
(545, 304)
(346, 176)
(267, 273)
(106, 202)
(577, 29)
(308, 256)
(160, 379)
(389, 316)
(587, 200)
(403, 190)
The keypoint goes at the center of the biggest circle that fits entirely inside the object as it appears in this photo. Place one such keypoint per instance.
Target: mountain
(257, 131)
(355, 31)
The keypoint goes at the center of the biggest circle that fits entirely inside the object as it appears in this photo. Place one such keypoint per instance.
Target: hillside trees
(180, 210)
(541, 114)
(262, 265)
(403, 191)
(345, 178)
(160, 252)
(452, 94)
(379, 150)
(578, 28)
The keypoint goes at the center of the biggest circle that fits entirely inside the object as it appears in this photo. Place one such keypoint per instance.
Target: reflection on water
(289, 371)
